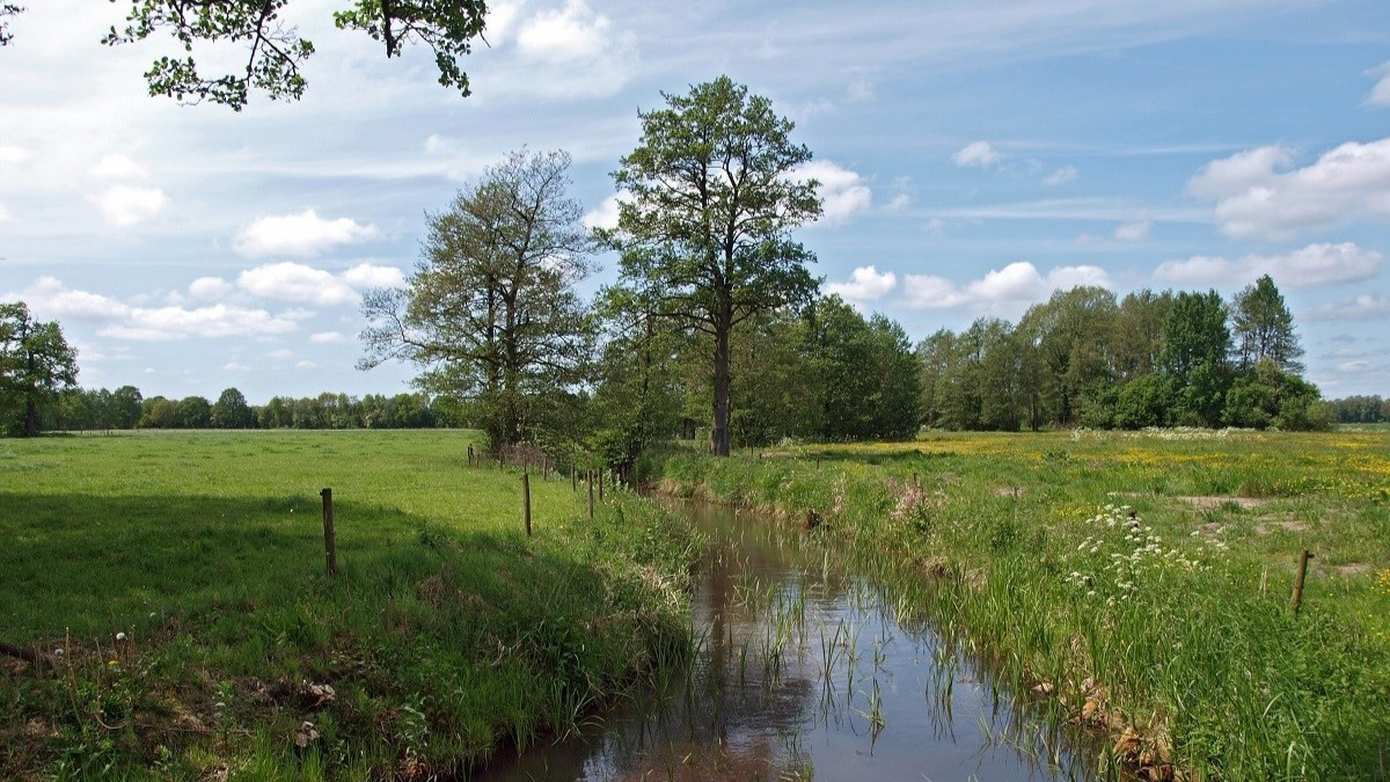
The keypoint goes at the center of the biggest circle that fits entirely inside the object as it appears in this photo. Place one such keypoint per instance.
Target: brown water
(804, 672)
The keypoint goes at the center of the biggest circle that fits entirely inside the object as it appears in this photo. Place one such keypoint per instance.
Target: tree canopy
(275, 52)
(36, 365)
(708, 202)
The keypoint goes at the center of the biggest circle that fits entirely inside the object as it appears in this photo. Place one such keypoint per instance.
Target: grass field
(1141, 581)
(178, 583)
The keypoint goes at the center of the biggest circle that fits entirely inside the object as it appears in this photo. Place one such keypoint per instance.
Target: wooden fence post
(1298, 581)
(600, 485)
(526, 501)
(330, 543)
(574, 480)
(591, 495)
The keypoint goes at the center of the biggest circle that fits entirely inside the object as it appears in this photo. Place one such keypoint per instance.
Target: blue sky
(975, 156)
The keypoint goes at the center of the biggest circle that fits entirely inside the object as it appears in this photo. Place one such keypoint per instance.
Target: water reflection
(805, 672)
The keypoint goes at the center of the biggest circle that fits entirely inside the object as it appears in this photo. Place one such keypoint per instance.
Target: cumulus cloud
(281, 354)
(1061, 176)
(1316, 264)
(235, 366)
(210, 288)
(865, 283)
(287, 281)
(305, 365)
(50, 298)
(11, 154)
(844, 193)
(977, 154)
(1259, 195)
(1133, 232)
(369, 275)
(327, 337)
(122, 205)
(302, 235)
(1380, 92)
(605, 215)
(118, 166)
(1018, 282)
(1364, 307)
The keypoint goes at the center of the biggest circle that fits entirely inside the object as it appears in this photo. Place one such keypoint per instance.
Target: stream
(804, 672)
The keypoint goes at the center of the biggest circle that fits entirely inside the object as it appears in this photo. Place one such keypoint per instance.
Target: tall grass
(447, 636)
(1170, 632)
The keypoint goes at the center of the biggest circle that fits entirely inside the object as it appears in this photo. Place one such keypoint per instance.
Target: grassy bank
(1140, 581)
(176, 583)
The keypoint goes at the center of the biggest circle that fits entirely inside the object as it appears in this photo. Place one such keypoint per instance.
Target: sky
(974, 157)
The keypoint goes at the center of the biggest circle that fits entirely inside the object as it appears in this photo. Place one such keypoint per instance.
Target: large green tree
(491, 314)
(231, 411)
(708, 202)
(1196, 344)
(274, 52)
(36, 365)
(1263, 328)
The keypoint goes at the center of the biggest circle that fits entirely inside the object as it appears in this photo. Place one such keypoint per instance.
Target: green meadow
(1138, 583)
(175, 586)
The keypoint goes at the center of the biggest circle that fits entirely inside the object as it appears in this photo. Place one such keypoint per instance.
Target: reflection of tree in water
(732, 717)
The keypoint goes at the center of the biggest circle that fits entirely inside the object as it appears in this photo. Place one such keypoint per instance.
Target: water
(804, 672)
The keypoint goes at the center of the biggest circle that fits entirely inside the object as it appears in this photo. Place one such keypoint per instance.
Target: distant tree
(1263, 328)
(156, 412)
(36, 366)
(1146, 400)
(491, 313)
(1196, 344)
(1137, 332)
(231, 411)
(637, 395)
(934, 355)
(193, 412)
(1269, 396)
(125, 407)
(274, 51)
(1071, 334)
(709, 199)
(897, 401)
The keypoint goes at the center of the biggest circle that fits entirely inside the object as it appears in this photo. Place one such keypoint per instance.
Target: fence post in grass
(600, 485)
(526, 501)
(591, 494)
(1298, 581)
(574, 480)
(470, 456)
(330, 544)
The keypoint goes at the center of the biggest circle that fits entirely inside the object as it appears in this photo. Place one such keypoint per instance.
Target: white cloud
(572, 32)
(326, 337)
(1380, 93)
(861, 90)
(235, 366)
(899, 202)
(209, 288)
(303, 235)
(1061, 176)
(5, 215)
(1018, 282)
(116, 166)
(1255, 198)
(368, 275)
(843, 193)
(1133, 232)
(281, 354)
(605, 215)
(977, 154)
(1354, 366)
(501, 18)
(865, 283)
(287, 281)
(1364, 307)
(11, 154)
(305, 365)
(50, 298)
(123, 205)
(1316, 264)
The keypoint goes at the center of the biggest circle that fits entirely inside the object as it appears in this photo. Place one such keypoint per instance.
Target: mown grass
(1171, 633)
(447, 635)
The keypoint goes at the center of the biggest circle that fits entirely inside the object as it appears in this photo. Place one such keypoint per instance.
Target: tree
(275, 52)
(707, 204)
(1263, 328)
(1196, 344)
(193, 412)
(231, 411)
(125, 407)
(36, 366)
(157, 412)
(491, 314)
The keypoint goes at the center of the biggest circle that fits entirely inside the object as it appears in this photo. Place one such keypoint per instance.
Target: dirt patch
(1352, 569)
(1215, 501)
(1008, 491)
(1281, 523)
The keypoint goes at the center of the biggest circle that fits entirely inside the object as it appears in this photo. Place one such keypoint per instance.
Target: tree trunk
(719, 435)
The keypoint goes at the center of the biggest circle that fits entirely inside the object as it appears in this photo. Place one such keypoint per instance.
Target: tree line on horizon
(715, 328)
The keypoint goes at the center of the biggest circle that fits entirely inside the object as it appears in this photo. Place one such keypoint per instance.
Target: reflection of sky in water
(890, 708)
